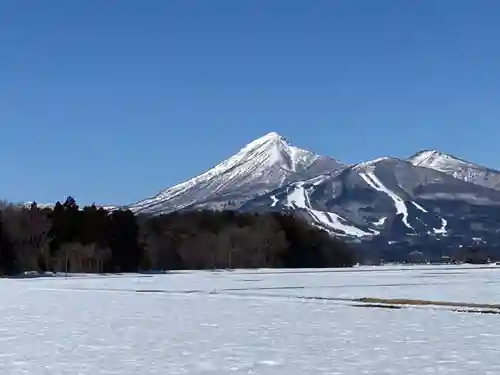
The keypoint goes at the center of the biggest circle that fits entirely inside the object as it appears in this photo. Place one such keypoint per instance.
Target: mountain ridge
(365, 199)
(457, 167)
(387, 206)
(271, 161)
(264, 164)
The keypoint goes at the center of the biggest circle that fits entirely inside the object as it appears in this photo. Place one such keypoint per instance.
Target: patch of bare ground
(376, 306)
(398, 303)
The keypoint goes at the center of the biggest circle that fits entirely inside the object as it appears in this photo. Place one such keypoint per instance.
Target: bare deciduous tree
(29, 230)
(83, 258)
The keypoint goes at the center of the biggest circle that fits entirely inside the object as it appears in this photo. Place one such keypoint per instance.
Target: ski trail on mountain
(299, 199)
(375, 183)
(380, 222)
(443, 229)
(419, 207)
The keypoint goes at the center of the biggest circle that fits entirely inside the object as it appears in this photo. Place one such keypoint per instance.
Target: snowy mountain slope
(458, 168)
(386, 196)
(263, 165)
(431, 201)
(298, 199)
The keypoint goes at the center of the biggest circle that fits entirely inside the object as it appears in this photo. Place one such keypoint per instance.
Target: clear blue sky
(114, 100)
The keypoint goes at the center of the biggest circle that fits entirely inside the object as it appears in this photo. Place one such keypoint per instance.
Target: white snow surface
(380, 222)
(419, 207)
(275, 200)
(250, 322)
(440, 161)
(442, 230)
(298, 198)
(370, 163)
(373, 181)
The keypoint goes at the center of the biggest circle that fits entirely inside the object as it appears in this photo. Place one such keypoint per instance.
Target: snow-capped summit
(457, 167)
(269, 137)
(370, 163)
(272, 149)
(435, 159)
(264, 164)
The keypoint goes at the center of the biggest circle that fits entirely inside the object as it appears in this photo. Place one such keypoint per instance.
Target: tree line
(67, 238)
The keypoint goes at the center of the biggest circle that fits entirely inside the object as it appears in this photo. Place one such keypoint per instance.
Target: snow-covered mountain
(263, 165)
(458, 168)
(385, 195)
(390, 207)
(430, 200)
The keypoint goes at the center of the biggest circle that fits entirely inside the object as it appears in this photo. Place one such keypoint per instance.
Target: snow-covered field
(250, 322)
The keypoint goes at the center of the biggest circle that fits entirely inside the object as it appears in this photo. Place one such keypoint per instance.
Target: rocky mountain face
(432, 202)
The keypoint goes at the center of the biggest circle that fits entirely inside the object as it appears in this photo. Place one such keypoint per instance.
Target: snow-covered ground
(250, 322)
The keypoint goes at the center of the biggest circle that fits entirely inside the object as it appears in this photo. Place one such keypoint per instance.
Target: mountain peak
(269, 138)
(457, 167)
(425, 152)
(272, 135)
(265, 164)
(431, 158)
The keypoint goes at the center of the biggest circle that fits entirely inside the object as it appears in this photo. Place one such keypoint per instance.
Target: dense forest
(67, 238)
